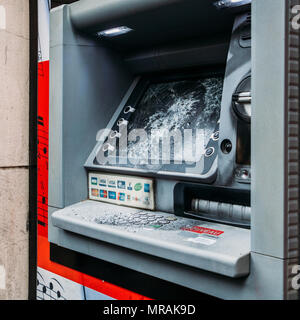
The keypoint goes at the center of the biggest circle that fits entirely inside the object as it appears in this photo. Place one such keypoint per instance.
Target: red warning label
(203, 230)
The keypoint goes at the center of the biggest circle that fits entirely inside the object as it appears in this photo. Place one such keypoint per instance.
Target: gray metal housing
(83, 97)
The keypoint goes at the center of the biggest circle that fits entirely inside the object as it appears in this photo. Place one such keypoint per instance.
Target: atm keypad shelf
(198, 244)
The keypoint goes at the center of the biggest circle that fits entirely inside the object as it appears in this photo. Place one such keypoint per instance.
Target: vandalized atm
(174, 141)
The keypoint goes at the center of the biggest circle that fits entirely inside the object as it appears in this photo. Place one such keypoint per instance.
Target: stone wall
(14, 144)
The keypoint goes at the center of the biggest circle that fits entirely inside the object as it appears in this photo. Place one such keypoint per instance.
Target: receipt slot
(173, 141)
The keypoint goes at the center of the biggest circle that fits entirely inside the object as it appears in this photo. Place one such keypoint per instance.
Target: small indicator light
(113, 32)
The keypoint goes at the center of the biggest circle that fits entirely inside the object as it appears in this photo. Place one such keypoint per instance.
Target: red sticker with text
(203, 230)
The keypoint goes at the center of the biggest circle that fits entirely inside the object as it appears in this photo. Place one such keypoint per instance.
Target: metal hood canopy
(154, 22)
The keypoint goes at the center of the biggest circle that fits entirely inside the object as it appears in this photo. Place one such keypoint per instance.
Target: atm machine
(174, 141)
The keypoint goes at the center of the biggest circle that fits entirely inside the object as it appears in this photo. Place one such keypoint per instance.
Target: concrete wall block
(14, 153)
(13, 232)
(14, 89)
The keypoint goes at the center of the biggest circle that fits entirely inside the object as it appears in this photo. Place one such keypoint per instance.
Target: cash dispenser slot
(230, 206)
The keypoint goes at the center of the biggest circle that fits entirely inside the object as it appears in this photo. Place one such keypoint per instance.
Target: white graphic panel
(43, 27)
(51, 286)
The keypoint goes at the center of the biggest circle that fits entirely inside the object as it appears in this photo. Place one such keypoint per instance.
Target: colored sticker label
(102, 182)
(121, 184)
(103, 194)
(202, 240)
(152, 226)
(112, 195)
(95, 192)
(203, 230)
(146, 200)
(121, 196)
(112, 184)
(94, 181)
(138, 186)
(146, 187)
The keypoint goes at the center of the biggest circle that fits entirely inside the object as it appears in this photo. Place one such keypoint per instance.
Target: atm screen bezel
(133, 100)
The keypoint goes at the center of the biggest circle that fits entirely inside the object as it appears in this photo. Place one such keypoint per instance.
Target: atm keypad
(143, 219)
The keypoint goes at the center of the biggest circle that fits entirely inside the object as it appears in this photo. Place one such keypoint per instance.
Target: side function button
(209, 152)
(215, 136)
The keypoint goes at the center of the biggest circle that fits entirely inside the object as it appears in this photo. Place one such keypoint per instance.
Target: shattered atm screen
(170, 126)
